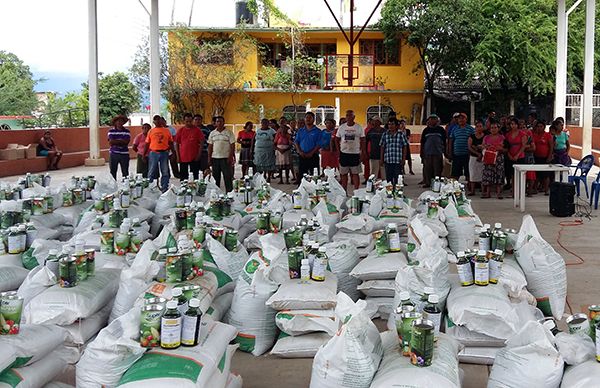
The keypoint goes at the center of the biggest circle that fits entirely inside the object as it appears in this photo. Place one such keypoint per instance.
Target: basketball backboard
(343, 70)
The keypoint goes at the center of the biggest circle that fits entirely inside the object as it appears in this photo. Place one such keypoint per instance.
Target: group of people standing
(189, 150)
(486, 154)
(299, 147)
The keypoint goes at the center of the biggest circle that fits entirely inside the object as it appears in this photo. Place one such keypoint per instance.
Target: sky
(51, 36)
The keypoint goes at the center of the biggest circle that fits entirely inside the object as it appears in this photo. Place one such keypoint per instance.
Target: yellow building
(389, 83)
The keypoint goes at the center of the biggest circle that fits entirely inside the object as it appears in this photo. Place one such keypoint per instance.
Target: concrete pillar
(336, 115)
(512, 107)
(154, 60)
(588, 77)
(94, 111)
(560, 94)
(473, 112)
(428, 110)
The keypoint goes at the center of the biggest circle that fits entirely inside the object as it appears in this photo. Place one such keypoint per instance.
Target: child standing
(246, 140)
(283, 144)
(493, 173)
(330, 157)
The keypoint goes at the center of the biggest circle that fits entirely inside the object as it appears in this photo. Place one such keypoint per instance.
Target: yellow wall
(359, 102)
(403, 87)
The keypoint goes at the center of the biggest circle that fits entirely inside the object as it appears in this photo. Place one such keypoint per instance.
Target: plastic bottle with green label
(14, 241)
(393, 237)
(433, 313)
(182, 303)
(485, 239)
(191, 324)
(170, 327)
(424, 298)
(464, 269)
(482, 271)
(305, 270)
(23, 236)
(319, 265)
(405, 302)
(495, 266)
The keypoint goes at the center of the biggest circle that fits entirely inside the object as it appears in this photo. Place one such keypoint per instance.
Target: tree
(204, 71)
(517, 45)
(140, 70)
(117, 95)
(68, 111)
(443, 32)
(17, 96)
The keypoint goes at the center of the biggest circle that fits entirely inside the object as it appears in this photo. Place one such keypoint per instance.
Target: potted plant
(380, 82)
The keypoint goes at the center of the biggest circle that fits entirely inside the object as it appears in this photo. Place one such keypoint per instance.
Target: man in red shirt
(188, 146)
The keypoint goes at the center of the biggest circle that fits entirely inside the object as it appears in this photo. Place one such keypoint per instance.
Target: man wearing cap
(119, 138)
(433, 145)
(350, 139)
(374, 149)
(459, 147)
(452, 124)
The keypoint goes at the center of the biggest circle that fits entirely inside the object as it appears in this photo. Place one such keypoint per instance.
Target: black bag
(562, 199)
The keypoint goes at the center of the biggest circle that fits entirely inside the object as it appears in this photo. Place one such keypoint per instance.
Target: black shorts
(349, 160)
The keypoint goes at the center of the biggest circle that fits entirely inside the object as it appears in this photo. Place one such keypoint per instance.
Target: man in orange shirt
(188, 144)
(159, 142)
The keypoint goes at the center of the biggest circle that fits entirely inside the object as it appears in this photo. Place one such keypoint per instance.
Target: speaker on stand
(562, 199)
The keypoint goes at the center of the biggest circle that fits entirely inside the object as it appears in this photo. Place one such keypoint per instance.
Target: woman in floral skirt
(493, 174)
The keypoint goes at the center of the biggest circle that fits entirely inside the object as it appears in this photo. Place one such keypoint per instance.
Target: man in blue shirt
(459, 147)
(307, 143)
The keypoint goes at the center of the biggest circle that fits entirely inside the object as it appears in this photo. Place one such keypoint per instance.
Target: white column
(154, 60)
(511, 107)
(560, 94)
(94, 159)
(588, 77)
(336, 115)
(428, 111)
(473, 112)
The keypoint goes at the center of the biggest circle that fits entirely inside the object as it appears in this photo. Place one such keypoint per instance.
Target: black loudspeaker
(562, 199)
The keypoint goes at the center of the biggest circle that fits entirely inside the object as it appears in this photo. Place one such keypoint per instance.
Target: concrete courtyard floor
(583, 289)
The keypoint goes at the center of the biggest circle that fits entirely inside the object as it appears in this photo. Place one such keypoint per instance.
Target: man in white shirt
(350, 139)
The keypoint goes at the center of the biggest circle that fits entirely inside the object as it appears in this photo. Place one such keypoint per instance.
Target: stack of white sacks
(305, 315)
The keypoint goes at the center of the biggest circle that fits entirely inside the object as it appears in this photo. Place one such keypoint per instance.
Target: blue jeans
(156, 161)
(392, 170)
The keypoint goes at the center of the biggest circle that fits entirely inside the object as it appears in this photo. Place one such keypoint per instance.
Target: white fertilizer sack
(544, 269)
(299, 322)
(64, 306)
(529, 357)
(303, 346)
(297, 294)
(352, 356)
(254, 320)
(375, 267)
(395, 368)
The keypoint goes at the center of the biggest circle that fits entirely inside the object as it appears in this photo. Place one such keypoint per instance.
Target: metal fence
(575, 110)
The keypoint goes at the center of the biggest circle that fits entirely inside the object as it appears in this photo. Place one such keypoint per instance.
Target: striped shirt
(119, 134)
(393, 144)
(460, 137)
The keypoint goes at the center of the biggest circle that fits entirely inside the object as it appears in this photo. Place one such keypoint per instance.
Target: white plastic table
(561, 173)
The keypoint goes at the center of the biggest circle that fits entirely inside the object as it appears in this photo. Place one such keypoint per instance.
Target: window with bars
(324, 112)
(292, 112)
(383, 55)
(382, 111)
(215, 52)
(274, 54)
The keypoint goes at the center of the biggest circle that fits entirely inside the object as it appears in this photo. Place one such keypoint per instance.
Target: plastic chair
(595, 194)
(584, 166)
